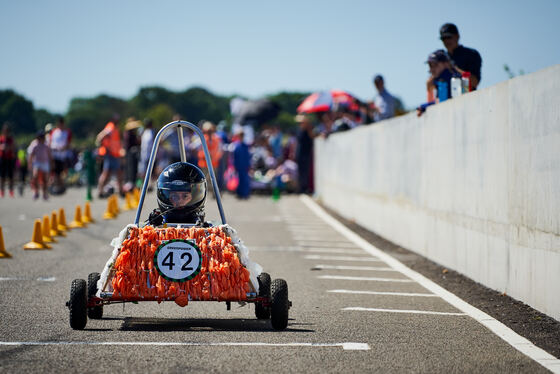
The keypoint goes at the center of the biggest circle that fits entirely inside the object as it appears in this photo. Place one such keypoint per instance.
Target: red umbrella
(323, 101)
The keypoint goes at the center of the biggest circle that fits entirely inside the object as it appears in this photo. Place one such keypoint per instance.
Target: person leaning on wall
(463, 59)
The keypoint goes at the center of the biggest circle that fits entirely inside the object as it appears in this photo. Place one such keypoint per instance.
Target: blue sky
(52, 51)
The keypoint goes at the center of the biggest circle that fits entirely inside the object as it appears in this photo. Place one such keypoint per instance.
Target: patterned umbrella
(323, 101)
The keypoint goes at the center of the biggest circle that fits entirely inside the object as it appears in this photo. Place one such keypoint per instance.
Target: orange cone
(62, 221)
(136, 197)
(55, 231)
(87, 213)
(77, 222)
(37, 239)
(3, 252)
(47, 238)
(116, 205)
(128, 202)
(109, 214)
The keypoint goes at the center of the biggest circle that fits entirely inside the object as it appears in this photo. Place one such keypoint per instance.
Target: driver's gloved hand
(155, 218)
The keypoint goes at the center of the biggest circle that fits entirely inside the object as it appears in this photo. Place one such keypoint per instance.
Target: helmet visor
(181, 194)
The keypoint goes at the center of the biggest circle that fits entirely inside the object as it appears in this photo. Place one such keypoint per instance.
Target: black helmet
(181, 190)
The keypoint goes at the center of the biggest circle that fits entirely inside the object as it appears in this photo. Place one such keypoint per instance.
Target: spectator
(242, 164)
(304, 154)
(384, 101)
(22, 168)
(7, 159)
(40, 160)
(345, 119)
(214, 144)
(146, 144)
(326, 124)
(59, 141)
(132, 150)
(172, 150)
(463, 59)
(110, 148)
(440, 71)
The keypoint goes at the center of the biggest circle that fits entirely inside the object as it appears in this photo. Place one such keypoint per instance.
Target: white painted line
(341, 258)
(40, 279)
(375, 279)
(382, 293)
(359, 308)
(326, 244)
(511, 337)
(345, 345)
(334, 250)
(344, 267)
(274, 248)
(332, 239)
(46, 279)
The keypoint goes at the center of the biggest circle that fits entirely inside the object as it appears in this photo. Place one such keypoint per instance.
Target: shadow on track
(200, 324)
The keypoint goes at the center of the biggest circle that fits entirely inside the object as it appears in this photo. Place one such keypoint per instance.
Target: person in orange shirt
(214, 147)
(110, 148)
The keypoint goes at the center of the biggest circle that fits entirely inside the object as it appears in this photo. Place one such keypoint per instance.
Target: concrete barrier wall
(473, 184)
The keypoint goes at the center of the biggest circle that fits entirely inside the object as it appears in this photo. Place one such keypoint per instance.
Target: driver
(181, 192)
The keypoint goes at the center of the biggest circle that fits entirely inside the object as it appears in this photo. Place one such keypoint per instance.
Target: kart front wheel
(280, 304)
(78, 304)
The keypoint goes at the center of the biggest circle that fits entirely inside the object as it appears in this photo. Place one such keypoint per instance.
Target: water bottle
(466, 82)
(442, 91)
(456, 89)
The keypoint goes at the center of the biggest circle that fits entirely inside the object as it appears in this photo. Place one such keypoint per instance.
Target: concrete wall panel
(473, 184)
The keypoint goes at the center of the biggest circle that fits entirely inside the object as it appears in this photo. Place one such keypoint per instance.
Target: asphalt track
(353, 311)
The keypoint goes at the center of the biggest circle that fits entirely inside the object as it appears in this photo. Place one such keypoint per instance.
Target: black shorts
(7, 166)
(59, 166)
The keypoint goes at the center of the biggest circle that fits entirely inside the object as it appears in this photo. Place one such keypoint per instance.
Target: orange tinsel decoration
(222, 277)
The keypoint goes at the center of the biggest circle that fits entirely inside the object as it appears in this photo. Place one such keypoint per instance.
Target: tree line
(87, 116)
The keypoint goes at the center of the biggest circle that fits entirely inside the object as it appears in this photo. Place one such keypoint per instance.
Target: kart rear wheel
(261, 311)
(280, 304)
(95, 312)
(78, 304)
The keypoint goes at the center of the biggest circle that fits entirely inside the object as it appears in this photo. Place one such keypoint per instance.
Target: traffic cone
(37, 238)
(116, 209)
(55, 231)
(128, 201)
(136, 197)
(77, 222)
(47, 238)
(109, 214)
(87, 213)
(3, 252)
(62, 221)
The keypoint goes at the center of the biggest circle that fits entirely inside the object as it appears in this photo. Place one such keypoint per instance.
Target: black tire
(280, 304)
(78, 304)
(261, 311)
(97, 311)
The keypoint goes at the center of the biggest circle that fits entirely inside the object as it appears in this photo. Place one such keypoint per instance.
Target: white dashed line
(375, 279)
(382, 293)
(326, 244)
(341, 258)
(334, 250)
(361, 309)
(40, 279)
(343, 267)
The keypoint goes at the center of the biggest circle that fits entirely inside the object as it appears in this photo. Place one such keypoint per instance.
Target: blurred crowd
(253, 155)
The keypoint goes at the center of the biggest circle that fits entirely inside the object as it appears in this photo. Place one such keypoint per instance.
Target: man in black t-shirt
(462, 58)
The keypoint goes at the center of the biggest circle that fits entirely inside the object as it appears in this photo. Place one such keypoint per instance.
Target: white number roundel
(178, 260)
